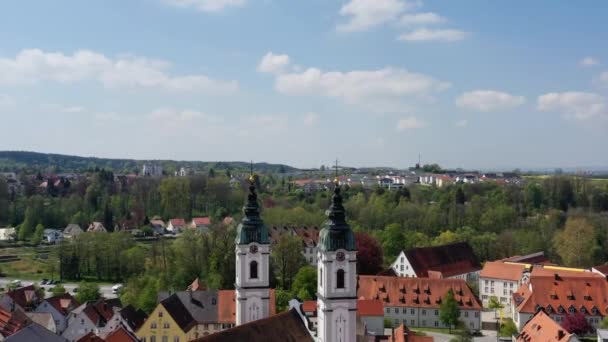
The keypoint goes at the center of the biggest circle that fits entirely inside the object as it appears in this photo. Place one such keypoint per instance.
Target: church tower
(337, 276)
(252, 263)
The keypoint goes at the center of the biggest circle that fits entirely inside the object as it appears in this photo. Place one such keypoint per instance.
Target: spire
(252, 228)
(336, 233)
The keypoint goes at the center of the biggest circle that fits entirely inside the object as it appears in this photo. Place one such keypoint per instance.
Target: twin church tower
(336, 271)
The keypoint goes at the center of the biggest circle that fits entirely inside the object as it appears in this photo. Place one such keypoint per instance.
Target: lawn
(26, 268)
(435, 330)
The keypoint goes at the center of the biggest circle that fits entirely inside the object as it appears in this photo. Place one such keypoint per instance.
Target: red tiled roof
(24, 296)
(201, 221)
(226, 303)
(542, 328)
(448, 260)
(416, 292)
(177, 222)
(11, 322)
(309, 306)
(370, 307)
(502, 270)
(403, 334)
(90, 337)
(121, 335)
(550, 289)
(64, 303)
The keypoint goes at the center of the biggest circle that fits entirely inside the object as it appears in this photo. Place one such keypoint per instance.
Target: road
(106, 290)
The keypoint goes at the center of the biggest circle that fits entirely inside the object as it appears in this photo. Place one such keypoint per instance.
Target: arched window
(340, 279)
(253, 270)
(320, 277)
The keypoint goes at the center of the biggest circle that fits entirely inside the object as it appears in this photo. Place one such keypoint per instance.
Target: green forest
(566, 217)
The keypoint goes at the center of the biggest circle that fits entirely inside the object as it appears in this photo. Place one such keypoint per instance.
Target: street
(105, 290)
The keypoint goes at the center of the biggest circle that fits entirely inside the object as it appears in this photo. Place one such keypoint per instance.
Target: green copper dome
(252, 228)
(336, 233)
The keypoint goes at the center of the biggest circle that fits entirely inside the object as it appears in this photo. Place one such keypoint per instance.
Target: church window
(340, 279)
(253, 270)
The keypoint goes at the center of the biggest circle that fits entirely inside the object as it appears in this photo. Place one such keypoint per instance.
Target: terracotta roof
(178, 312)
(121, 335)
(24, 296)
(227, 305)
(11, 322)
(178, 222)
(557, 290)
(448, 260)
(542, 328)
(403, 334)
(309, 306)
(308, 235)
(416, 292)
(64, 303)
(370, 307)
(201, 221)
(90, 337)
(501, 270)
(284, 327)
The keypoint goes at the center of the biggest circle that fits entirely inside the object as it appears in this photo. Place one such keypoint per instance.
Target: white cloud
(33, 65)
(574, 105)
(206, 5)
(273, 63)
(173, 116)
(589, 62)
(73, 109)
(426, 18)
(359, 86)
(409, 123)
(489, 100)
(311, 119)
(604, 77)
(462, 123)
(365, 14)
(424, 34)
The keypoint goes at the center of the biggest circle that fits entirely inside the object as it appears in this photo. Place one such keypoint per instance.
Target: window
(466, 314)
(175, 338)
(404, 311)
(423, 323)
(436, 312)
(396, 323)
(388, 310)
(81, 321)
(436, 323)
(424, 313)
(340, 279)
(484, 297)
(153, 325)
(476, 314)
(206, 326)
(486, 282)
(504, 292)
(253, 270)
(165, 339)
(401, 268)
(166, 325)
(396, 310)
(486, 289)
(412, 311)
(413, 323)
(160, 314)
(152, 338)
(213, 301)
(504, 284)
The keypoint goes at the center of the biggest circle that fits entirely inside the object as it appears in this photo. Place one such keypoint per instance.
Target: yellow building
(169, 322)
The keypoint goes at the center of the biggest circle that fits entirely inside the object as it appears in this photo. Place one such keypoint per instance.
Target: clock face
(340, 256)
(253, 249)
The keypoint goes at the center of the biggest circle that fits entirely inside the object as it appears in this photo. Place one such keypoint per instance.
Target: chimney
(560, 334)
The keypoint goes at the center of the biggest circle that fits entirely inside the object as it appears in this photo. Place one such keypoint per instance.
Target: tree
(369, 254)
(58, 290)
(507, 328)
(305, 283)
(87, 292)
(577, 324)
(393, 240)
(449, 312)
(4, 201)
(494, 304)
(462, 336)
(604, 323)
(38, 233)
(576, 243)
(287, 259)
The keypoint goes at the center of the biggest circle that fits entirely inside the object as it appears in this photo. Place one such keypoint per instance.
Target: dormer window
(560, 309)
(549, 309)
(584, 310)
(595, 311)
(571, 309)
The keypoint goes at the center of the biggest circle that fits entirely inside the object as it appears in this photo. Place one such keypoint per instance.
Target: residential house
(286, 326)
(542, 328)
(560, 293)
(169, 321)
(455, 260)
(127, 318)
(158, 227)
(11, 322)
(201, 224)
(89, 317)
(25, 298)
(370, 313)
(602, 335)
(122, 334)
(309, 310)
(403, 334)
(501, 280)
(7, 234)
(97, 227)
(152, 170)
(52, 236)
(59, 307)
(34, 332)
(176, 225)
(308, 235)
(416, 301)
(71, 231)
(90, 337)
(44, 319)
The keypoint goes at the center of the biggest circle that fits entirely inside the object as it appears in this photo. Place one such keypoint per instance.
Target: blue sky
(472, 84)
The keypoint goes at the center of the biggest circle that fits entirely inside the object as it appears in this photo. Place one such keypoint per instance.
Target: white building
(501, 279)
(455, 260)
(7, 234)
(152, 170)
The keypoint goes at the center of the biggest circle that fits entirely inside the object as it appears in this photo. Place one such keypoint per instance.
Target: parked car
(15, 282)
(116, 288)
(44, 281)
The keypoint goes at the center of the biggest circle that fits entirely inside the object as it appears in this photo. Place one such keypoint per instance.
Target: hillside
(59, 163)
